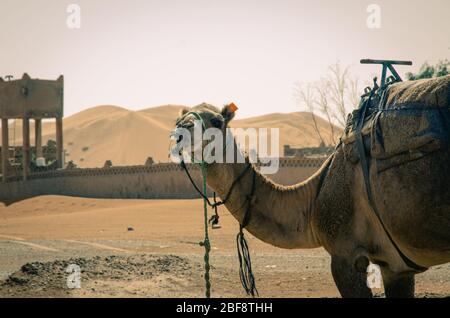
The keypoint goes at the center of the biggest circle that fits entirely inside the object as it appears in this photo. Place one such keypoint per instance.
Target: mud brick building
(30, 99)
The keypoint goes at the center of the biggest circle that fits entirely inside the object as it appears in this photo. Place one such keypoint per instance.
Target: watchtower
(26, 99)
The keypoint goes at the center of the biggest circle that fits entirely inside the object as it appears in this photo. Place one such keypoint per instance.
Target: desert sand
(149, 248)
(94, 135)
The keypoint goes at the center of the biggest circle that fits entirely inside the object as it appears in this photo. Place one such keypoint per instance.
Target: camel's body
(331, 210)
(337, 216)
(414, 204)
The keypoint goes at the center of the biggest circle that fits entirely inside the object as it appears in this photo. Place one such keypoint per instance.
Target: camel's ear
(228, 112)
(184, 111)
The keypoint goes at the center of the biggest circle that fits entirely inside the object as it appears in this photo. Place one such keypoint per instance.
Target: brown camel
(331, 210)
(410, 182)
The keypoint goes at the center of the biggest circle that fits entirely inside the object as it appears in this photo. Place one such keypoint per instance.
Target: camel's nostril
(180, 138)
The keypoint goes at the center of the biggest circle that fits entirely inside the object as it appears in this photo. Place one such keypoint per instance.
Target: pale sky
(141, 53)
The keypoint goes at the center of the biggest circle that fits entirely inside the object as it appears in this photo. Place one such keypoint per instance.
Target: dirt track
(137, 248)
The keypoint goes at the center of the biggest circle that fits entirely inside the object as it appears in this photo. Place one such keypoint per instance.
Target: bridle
(214, 220)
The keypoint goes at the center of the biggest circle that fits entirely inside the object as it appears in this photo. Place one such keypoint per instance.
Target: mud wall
(159, 181)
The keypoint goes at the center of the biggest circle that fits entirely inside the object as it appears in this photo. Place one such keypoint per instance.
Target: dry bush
(332, 97)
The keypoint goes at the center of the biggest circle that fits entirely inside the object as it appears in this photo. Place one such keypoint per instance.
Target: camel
(331, 210)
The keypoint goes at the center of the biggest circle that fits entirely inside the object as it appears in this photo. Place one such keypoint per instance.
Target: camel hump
(433, 92)
(413, 121)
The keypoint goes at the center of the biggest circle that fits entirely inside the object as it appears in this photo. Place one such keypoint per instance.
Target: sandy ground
(138, 248)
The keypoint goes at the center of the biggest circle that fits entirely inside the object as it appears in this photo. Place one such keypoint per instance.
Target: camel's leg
(351, 283)
(398, 285)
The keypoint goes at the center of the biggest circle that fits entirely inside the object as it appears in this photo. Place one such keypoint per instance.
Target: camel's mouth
(187, 145)
(187, 121)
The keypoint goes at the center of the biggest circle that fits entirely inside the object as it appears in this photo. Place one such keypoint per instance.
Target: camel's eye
(216, 122)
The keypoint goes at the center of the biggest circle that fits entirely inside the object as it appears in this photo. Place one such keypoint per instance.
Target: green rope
(206, 243)
(246, 273)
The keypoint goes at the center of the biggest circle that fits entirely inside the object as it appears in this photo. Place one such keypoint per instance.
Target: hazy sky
(140, 53)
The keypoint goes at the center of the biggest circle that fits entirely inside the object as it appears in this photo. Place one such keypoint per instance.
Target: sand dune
(128, 137)
(296, 129)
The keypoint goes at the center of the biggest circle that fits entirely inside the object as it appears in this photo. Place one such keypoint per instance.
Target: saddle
(396, 123)
(400, 122)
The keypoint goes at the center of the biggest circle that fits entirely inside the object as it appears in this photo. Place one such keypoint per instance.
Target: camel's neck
(280, 215)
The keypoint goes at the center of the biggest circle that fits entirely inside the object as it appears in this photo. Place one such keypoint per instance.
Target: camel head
(211, 116)
(201, 118)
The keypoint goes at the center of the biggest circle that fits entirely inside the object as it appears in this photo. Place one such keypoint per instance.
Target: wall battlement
(158, 181)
